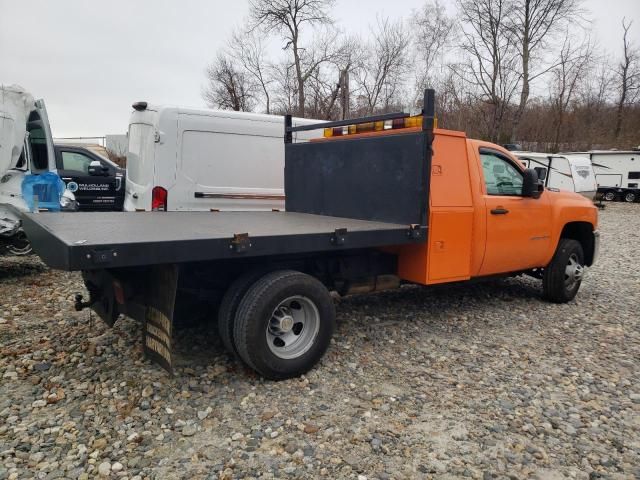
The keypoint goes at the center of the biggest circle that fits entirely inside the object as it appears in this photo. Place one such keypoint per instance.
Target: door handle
(499, 211)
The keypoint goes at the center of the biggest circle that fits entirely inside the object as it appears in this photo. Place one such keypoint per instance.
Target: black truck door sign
(89, 178)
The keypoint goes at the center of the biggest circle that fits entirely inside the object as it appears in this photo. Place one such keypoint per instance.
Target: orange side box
(446, 256)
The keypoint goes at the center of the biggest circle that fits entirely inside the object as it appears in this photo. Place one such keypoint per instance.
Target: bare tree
(381, 76)
(628, 73)
(432, 32)
(288, 17)
(284, 90)
(248, 48)
(491, 59)
(348, 59)
(228, 86)
(532, 23)
(572, 66)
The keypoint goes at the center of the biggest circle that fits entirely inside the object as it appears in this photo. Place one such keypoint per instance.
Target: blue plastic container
(48, 187)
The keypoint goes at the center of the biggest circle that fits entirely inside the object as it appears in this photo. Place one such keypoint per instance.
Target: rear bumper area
(146, 295)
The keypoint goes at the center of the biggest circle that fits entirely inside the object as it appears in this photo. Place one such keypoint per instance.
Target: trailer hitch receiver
(79, 304)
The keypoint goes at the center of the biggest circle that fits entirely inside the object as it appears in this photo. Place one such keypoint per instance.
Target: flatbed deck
(88, 241)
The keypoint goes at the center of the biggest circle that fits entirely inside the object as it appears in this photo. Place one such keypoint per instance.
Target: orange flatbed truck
(371, 204)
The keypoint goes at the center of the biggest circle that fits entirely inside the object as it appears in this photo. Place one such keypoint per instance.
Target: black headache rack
(361, 193)
(382, 178)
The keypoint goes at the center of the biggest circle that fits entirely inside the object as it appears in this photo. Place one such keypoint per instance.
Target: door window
(38, 144)
(76, 162)
(500, 176)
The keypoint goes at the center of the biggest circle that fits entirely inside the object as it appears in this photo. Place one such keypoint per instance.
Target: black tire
(229, 307)
(257, 312)
(609, 196)
(630, 197)
(557, 286)
(20, 245)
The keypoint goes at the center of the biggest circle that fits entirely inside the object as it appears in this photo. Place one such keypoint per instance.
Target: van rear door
(140, 167)
(41, 140)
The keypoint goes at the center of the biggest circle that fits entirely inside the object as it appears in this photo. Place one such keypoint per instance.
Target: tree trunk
(524, 93)
(296, 59)
(559, 124)
(620, 110)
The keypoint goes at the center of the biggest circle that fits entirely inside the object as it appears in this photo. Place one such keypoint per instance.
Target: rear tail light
(118, 292)
(159, 199)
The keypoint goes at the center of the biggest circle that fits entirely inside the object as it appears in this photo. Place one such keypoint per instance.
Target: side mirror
(96, 168)
(542, 173)
(531, 186)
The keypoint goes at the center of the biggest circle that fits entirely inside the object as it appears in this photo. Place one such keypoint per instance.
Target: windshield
(140, 154)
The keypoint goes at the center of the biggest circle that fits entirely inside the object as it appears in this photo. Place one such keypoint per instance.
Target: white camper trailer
(617, 173)
(182, 159)
(570, 173)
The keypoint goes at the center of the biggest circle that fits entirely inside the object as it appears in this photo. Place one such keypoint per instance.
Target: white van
(569, 173)
(182, 159)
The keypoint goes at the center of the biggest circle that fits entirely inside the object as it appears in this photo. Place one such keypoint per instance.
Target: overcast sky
(91, 60)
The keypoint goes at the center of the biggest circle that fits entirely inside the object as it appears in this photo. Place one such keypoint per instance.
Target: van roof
(169, 110)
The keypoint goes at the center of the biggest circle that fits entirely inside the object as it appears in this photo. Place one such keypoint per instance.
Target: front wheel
(562, 277)
(20, 245)
(630, 197)
(284, 324)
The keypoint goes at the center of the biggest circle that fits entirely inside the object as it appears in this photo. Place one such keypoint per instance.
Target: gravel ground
(482, 381)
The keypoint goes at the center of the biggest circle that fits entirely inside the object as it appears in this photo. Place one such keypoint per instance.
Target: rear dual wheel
(283, 323)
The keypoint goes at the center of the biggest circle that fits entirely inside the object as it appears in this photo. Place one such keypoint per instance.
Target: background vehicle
(617, 173)
(186, 159)
(571, 174)
(27, 164)
(376, 202)
(97, 182)
(512, 147)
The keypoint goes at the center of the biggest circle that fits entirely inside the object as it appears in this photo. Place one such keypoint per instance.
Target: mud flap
(158, 316)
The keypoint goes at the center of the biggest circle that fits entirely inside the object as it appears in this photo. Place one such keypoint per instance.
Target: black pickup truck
(97, 183)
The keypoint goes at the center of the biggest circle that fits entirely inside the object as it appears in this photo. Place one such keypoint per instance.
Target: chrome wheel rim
(573, 272)
(609, 196)
(630, 197)
(293, 327)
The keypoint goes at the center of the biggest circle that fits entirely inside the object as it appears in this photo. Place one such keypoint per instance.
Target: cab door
(518, 228)
(92, 192)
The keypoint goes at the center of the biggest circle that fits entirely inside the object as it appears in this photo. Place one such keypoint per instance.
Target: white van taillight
(159, 199)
